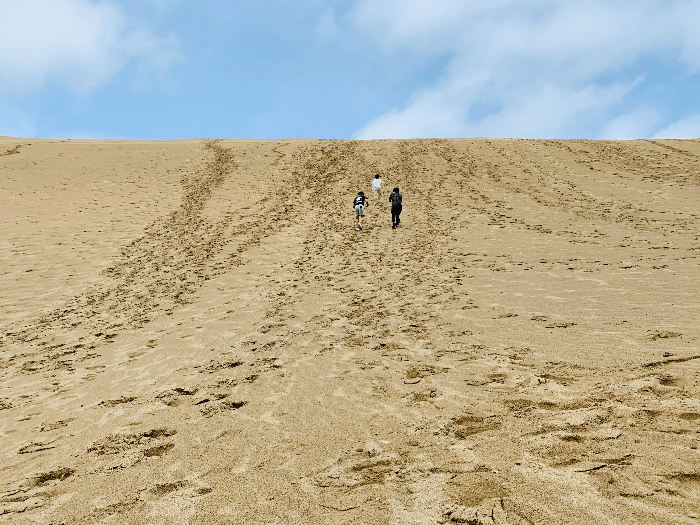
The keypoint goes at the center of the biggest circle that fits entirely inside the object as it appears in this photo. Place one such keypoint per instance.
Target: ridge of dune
(193, 332)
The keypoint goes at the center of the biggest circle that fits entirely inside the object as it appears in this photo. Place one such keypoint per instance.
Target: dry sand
(194, 332)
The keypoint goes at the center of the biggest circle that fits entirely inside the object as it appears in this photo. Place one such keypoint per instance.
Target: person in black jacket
(359, 205)
(396, 207)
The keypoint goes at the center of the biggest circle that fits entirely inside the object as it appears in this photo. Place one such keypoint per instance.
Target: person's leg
(362, 214)
(398, 214)
(393, 216)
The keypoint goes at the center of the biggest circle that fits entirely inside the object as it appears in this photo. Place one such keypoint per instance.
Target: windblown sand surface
(194, 332)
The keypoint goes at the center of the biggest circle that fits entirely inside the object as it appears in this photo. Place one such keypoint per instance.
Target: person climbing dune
(359, 205)
(396, 207)
(377, 187)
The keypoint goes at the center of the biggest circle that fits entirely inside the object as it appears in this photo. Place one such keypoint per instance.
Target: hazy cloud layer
(365, 68)
(80, 44)
(687, 128)
(530, 68)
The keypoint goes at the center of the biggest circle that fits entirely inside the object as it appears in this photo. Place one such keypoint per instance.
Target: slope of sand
(194, 332)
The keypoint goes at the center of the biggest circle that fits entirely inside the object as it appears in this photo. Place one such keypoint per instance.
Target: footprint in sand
(130, 449)
(34, 493)
(480, 498)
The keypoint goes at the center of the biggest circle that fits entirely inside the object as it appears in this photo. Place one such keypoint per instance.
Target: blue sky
(350, 69)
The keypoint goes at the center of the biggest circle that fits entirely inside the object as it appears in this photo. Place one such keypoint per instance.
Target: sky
(354, 69)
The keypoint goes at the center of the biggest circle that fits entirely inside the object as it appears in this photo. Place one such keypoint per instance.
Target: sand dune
(194, 332)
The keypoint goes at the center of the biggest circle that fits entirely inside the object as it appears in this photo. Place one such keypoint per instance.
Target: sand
(194, 332)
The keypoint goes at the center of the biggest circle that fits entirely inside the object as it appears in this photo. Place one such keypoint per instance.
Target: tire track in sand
(154, 275)
(380, 292)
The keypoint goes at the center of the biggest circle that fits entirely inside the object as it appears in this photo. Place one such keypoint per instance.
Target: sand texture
(194, 332)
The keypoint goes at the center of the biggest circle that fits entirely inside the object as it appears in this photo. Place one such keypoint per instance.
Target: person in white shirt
(377, 187)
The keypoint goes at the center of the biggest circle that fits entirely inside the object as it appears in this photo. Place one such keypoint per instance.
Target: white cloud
(80, 44)
(641, 122)
(551, 111)
(540, 113)
(541, 66)
(687, 128)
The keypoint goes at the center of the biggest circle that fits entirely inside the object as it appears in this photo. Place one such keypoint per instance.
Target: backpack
(395, 199)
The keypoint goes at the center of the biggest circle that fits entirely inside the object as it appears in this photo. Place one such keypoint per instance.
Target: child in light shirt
(377, 187)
